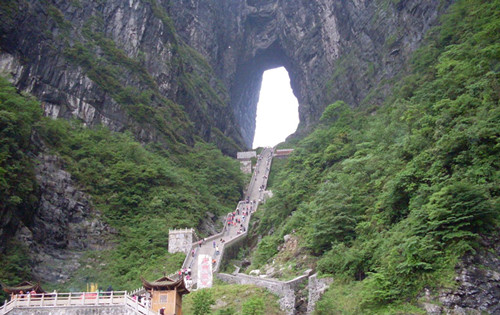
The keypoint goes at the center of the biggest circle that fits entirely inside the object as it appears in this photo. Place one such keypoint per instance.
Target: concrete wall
(180, 240)
(74, 310)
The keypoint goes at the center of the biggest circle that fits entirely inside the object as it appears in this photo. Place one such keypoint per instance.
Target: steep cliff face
(118, 63)
(64, 225)
(333, 50)
(90, 60)
(171, 71)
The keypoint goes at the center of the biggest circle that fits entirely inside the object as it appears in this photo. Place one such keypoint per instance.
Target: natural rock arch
(332, 50)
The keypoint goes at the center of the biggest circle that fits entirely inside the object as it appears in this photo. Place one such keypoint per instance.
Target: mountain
(139, 98)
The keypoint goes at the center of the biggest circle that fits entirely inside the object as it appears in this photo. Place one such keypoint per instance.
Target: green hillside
(142, 191)
(389, 199)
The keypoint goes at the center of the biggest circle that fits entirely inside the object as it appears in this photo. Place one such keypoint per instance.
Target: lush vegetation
(388, 199)
(141, 192)
(18, 115)
(18, 190)
(231, 299)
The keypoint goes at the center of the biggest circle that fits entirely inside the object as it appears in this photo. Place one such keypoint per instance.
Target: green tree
(254, 306)
(202, 301)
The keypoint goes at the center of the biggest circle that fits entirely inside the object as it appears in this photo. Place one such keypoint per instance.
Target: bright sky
(277, 110)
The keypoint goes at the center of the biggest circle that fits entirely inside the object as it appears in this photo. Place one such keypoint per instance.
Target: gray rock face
(333, 50)
(63, 226)
(478, 280)
(477, 285)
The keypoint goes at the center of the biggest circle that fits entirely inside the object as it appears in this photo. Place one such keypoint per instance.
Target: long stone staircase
(208, 247)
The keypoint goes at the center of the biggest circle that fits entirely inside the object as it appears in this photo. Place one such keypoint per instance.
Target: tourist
(192, 253)
(213, 243)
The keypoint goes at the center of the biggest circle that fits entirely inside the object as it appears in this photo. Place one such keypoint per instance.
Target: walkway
(254, 196)
(75, 300)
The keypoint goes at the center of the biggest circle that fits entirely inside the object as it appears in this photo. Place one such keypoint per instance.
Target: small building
(166, 293)
(23, 288)
(283, 153)
(245, 156)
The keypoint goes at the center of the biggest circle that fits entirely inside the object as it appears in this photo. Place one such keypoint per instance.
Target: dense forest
(389, 199)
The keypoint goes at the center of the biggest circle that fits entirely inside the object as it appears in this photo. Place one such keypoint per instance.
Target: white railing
(74, 299)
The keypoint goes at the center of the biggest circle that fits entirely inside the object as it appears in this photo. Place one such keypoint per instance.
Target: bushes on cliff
(143, 193)
(18, 117)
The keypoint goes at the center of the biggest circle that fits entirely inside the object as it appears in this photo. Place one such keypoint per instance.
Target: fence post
(83, 299)
(111, 301)
(29, 299)
(55, 300)
(69, 299)
(43, 296)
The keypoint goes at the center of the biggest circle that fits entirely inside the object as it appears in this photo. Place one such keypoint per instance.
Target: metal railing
(74, 299)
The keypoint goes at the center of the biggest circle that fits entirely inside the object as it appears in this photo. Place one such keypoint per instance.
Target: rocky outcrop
(477, 285)
(332, 50)
(117, 63)
(64, 225)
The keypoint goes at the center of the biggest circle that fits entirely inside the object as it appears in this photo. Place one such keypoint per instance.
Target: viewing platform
(81, 303)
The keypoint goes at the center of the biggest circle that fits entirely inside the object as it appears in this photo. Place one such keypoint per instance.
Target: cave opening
(277, 109)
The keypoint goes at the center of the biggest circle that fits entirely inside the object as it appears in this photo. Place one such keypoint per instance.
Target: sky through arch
(277, 110)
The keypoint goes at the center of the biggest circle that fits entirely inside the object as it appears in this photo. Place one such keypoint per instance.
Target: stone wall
(316, 289)
(180, 240)
(246, 167)
(74, 310)
(284, 289)
(230, 249)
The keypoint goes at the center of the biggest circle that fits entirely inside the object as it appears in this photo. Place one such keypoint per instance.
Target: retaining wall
(316, 289)
(284, 289)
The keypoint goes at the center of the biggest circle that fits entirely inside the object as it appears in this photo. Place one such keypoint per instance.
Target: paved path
(253, 196)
